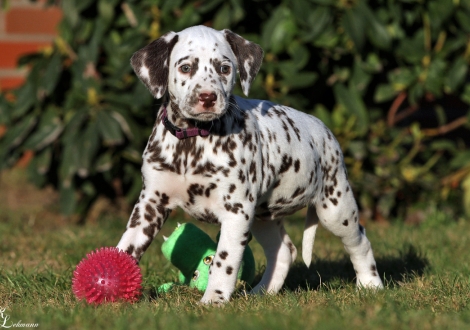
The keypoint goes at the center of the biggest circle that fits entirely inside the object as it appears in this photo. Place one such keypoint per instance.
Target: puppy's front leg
(223, 272)
(147, 218)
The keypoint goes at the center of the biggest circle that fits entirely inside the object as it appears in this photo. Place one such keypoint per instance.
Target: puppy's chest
(197, 173)
(198, 156)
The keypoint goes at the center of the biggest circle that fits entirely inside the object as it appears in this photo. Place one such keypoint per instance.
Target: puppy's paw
(215, 298)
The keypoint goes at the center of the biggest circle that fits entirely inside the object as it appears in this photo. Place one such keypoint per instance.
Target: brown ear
(249, 58)
(151, 63)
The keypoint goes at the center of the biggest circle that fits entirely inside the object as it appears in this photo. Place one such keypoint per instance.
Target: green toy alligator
(191, 251)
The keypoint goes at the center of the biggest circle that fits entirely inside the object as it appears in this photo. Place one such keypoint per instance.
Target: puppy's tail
(311, 224)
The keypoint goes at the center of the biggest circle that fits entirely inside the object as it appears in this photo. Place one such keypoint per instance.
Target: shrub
(390, 78)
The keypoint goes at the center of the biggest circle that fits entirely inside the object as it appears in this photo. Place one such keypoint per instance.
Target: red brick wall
(25, 27)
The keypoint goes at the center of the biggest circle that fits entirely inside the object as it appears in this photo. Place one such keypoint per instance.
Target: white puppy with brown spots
(239, 163)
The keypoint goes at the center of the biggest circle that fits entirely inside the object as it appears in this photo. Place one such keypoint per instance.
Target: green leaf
(435, 77)
(358, 149)
(372, 64)
(5, 111)
(109, 129)
(439, 12)
(71, 12)
(68, 199)
(354, 24)
(318, 19)
(49, 129)
(106, 11)
(228, 15)
(223, 17)
(443, 144)
(74, 125)
(456, 75)
(300, 80)
(26, 98)
(188, 17)
(384, 92)
(353, 102)
(69, 162)
(328, 38)
(16, 134)
(104, 162)
(52, 74)
(463, 18)
(360, 78)
(81, 5)
(39, 166)
(299, 54)
(401, 78)
(416, 93)
(91, 51)
(85, 30)
(466, 93)
(43, 161)
(127, 124)
(209, 5)
(460, 160)
(88, 146)
(412, 49)
(324, 2)
(322, 113)
(279, 30)
(376, 30)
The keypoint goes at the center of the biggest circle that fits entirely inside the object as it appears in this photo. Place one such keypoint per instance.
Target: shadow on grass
(332, 274)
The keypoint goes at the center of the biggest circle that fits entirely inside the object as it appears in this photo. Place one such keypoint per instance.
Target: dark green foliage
(389, 77)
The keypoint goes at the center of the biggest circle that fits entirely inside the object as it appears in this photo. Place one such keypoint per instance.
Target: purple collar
(182, 133)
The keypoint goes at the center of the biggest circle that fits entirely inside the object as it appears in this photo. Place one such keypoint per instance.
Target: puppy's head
(198, 67)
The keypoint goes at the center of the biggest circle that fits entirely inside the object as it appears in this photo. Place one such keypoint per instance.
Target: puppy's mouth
(206, 116)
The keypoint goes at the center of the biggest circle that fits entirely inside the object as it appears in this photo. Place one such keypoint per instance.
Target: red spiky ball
(107, 275)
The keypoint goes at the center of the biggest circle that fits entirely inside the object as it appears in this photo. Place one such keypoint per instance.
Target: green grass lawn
(426, 271)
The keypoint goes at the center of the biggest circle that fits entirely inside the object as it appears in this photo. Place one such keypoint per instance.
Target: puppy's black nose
(208, 100)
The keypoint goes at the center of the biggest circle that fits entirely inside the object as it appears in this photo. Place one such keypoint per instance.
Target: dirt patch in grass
(22, 201)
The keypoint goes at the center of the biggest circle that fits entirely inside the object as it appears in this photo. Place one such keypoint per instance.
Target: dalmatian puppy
(242, 164)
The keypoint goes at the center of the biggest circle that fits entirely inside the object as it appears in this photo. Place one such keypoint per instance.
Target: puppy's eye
(225, 69)
(186, 68)
(208, 260)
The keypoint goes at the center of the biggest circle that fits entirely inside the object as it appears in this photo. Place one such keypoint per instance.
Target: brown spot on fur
(195, 189)
(150, 213)
(232, 188)
(286, 163)
(135, 217)
(223, 255)
(297, 165)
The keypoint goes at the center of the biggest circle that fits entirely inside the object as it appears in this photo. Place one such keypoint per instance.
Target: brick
(11, 51)
(8, 83)
(24, 20)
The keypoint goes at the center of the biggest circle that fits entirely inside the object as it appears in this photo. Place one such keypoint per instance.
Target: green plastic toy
(191, 250)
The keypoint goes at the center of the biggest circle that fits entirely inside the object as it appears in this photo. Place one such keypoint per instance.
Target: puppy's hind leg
(280, 254)
(339, 214)
(311, 225)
